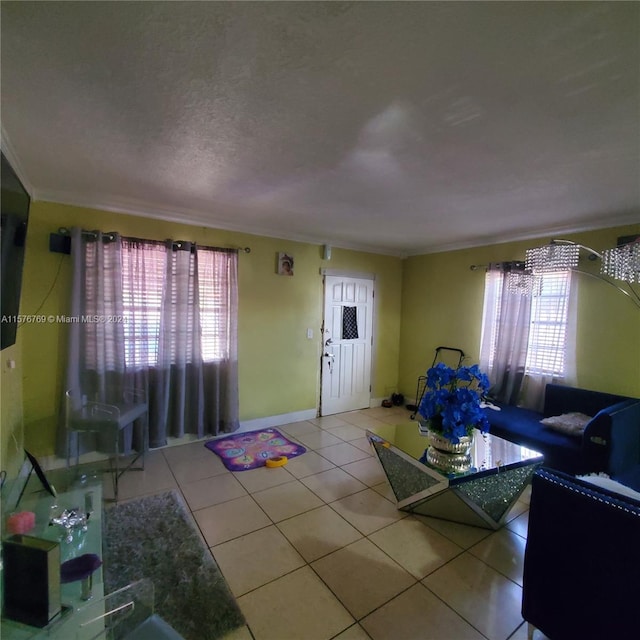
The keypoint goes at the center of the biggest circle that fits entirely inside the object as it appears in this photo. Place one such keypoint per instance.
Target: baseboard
(276, 421)
(53, 462)
(376, 402)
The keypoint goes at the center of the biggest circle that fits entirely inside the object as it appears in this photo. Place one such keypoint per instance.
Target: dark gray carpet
(153, 537)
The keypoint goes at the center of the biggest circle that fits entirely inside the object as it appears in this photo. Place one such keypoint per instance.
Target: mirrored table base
(481, 499)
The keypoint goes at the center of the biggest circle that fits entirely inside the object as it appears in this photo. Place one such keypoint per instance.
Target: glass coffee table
(481, 496)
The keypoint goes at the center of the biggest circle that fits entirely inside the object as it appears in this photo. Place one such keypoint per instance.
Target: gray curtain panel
(170, 334)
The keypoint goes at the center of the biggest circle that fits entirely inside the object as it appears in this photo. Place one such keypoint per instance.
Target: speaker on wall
(326, 254)
(31, 580)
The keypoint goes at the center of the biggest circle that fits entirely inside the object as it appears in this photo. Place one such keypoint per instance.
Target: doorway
(347, 343)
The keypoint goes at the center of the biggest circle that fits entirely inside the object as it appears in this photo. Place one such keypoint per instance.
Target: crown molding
(193, 217)
(614, 221)
(202, 218)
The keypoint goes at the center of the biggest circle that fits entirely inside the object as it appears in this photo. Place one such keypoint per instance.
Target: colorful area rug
(243, 451)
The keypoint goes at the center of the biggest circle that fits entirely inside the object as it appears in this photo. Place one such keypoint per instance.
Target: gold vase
(447, 456)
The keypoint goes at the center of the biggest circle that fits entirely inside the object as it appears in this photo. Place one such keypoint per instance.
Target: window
(144, 267)
(169, 306)
(216, 270)
(548, 325)
(529, 330)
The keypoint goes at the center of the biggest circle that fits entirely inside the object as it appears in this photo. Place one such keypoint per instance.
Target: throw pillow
(572, 423)
(608, 483)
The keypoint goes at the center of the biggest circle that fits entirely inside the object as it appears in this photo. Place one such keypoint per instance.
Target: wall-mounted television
(14, 211)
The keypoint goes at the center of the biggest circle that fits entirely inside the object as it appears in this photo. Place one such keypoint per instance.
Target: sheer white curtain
(164, 326)
(528, 333)
(505, 330)
(552, 346)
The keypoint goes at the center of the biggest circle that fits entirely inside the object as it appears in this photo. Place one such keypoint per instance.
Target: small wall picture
(285, 264)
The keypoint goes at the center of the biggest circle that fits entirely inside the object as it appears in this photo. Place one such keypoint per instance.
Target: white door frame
(374, 326)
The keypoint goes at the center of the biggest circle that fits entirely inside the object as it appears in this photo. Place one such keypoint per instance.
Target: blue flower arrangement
(452, 401)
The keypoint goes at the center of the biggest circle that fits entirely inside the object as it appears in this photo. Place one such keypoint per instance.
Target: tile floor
(317, 549)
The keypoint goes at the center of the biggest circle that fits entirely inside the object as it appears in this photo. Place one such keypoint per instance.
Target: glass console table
(73, 492)
(481, 496)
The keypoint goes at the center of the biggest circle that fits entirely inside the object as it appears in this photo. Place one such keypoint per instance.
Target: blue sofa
(610, 443)
(581, 560)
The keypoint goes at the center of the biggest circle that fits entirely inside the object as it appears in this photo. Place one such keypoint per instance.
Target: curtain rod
(514, 263)
(111, 235)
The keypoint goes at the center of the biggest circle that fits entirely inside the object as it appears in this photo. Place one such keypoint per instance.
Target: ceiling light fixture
(621, 263)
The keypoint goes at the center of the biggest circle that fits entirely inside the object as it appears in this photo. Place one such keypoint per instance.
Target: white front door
(347, 344)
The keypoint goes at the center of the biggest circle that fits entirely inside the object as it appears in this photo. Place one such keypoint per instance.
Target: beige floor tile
(294, 429)
(518, 509)
(262, 478)
(525, 496)
(229, 520)
(287, 500)
(482, 596)
(504, 551)
(380, 413)
(363, 421)
(364, 444)
(198, 468)
(521, 634)
(356, 632)
(417, 614)
(210, 491)
(333, 484)
(155, 478)
(318, 439)
(189, 451)
(417, 548)
(362, 576)
(328, 422)
(241, 633)
(342, 453)
(347, 432)
(385, 490)
(319, 532)
(250, 561)
(307, 464)
(368, 470)
(394, 415)
(356, 417)
(367, 511)
(400, 417)
(519, 525)
(297, 606)
(463, 535)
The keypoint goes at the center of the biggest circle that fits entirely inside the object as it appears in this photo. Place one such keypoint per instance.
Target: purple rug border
(211, 444)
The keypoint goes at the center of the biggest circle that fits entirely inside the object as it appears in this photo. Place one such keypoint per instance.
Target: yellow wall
(442, 305)
(278, 365)
(11, 441)
(421, 303)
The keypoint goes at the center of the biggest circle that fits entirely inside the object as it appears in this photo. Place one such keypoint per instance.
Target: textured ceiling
(395, 127)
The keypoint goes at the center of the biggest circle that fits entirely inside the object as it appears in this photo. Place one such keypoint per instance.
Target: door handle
(331, 358)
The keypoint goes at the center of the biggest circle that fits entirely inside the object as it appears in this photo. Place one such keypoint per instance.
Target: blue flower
(452, 400)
